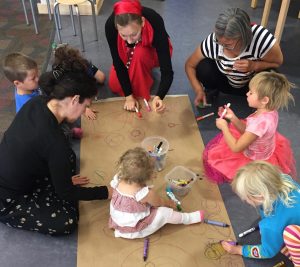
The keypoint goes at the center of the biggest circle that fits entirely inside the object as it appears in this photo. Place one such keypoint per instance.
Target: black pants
(209, 75)
(41, 211)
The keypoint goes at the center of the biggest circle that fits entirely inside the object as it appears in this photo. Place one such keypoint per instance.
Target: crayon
(221, 224)
(146, 248)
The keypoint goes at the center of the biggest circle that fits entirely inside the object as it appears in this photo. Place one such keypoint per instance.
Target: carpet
(17, 36)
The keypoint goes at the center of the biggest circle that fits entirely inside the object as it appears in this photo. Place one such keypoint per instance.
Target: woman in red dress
(138, 43)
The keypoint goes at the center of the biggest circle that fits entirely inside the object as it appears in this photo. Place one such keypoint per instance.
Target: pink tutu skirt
(221, 164)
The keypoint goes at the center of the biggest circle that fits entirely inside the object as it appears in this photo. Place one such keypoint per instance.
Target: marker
(224, 111)
(171, 195)
(205, 116)
(157, 149)
(248, 231)
(279, 264)
(221, 224)
(146, 247)
(147, 105)
(138, 113)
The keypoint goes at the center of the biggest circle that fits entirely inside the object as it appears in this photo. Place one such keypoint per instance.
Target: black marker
(221, 224)
(248, 231)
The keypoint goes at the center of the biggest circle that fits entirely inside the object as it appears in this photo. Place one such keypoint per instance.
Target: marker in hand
(147, 105)
(138, 112)
(225, 110)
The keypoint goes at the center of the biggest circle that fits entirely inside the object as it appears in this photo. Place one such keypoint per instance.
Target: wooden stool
(74, 3)
(281, 17)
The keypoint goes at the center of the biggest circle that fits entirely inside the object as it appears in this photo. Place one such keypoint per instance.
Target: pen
(205, 116)
(224, 111)
(146, 247)
(279, 264)
(147, 105)
(221, 224)
(138, 113)
(248, 231)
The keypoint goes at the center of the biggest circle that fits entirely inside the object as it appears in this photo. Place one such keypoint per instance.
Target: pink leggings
(291, 237)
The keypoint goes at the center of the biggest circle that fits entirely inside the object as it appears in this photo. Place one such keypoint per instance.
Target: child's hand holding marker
(232, 247)
(225, 111)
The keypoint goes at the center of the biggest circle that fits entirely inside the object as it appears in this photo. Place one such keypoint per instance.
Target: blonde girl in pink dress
(255, 138)
(136, 210)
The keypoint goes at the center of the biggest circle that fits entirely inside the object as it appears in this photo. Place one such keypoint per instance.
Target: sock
(192, 217)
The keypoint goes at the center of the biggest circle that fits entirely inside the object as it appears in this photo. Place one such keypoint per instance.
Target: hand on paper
(158, 105)
(90, 114)
(80, 180)
(130, 103)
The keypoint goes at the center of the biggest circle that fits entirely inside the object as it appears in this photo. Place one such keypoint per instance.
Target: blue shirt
(22, 99)
(272, 226)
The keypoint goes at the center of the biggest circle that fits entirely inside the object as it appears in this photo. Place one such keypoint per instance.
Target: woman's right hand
(171, 204)
(200, 97)
(130, 103)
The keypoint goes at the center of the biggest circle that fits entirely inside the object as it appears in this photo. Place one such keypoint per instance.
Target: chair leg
(49, 9)
(72, 19)
(55, 10)
(266, 13)
(253, 3)
(94, 19)
(25, 12)
(34, 17)
(80, 28)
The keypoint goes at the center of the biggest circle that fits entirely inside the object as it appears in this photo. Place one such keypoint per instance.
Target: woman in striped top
(228, 58)
(253, 139)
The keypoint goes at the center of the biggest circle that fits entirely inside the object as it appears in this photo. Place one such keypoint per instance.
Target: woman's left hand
(244, 65)
(80, 180)
(158, 105)
(90, 114)
(232, 249)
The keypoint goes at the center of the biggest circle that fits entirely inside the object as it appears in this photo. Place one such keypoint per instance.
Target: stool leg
(34, 17)
(55, 10)
(80, 28)
(25, 12)
(94, 19)
(49, 9)
(72, 20)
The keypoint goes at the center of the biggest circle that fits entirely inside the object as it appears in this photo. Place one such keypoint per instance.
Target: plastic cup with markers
(157, 147)
(180, 180)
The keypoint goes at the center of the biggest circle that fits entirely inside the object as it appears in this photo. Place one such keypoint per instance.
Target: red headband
(128, 6)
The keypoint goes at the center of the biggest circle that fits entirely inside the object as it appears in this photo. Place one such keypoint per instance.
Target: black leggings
(209, 75)
(41, 211)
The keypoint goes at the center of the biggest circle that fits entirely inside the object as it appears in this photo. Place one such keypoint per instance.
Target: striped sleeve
(209, 48)
(262, 41)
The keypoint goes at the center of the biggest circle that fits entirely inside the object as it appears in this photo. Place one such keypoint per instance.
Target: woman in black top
(37, 163)
(138, 42)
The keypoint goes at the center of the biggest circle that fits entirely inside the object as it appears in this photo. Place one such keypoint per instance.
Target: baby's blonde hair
(275, 86)
(262, 179)
(136, 166)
